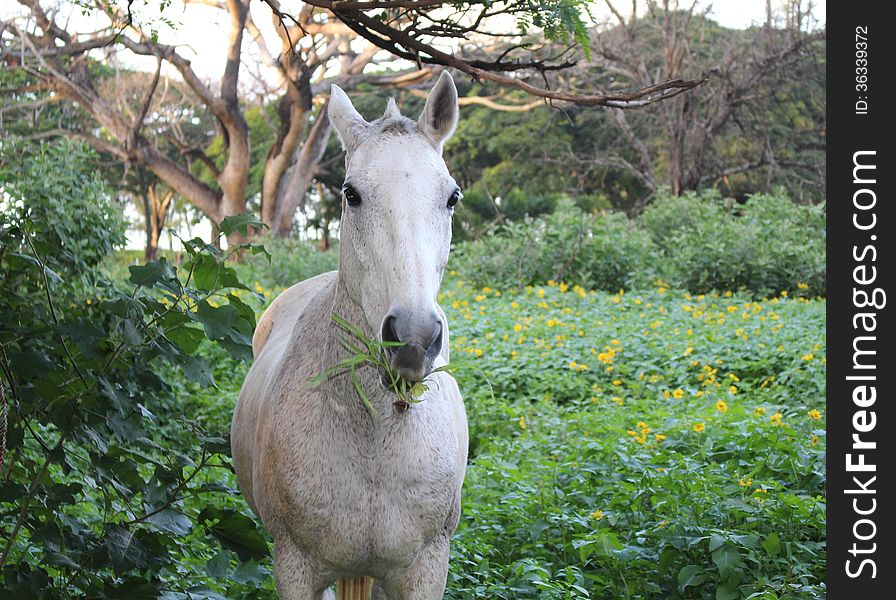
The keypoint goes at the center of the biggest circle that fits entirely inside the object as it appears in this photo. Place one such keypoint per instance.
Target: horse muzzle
(421, 341)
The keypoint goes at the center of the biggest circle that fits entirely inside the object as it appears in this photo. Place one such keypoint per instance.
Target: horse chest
(372, 497)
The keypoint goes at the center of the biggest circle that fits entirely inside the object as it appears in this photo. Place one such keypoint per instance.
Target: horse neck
(340, 388)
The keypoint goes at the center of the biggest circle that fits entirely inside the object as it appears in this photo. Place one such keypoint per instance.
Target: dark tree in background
(337, 40)
(757, 123)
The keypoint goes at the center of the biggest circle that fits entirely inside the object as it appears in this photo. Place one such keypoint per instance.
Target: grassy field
(640, 445)
(650, 444)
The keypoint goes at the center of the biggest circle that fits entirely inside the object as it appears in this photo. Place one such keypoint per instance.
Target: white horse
(346, 493)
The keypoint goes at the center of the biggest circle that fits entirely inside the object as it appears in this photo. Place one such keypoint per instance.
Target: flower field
(651, 444)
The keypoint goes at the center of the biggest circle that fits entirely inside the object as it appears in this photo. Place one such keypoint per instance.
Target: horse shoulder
(278, 319)
(271, 346)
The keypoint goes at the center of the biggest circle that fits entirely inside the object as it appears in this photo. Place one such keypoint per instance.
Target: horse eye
(351, 195)
(454, 198)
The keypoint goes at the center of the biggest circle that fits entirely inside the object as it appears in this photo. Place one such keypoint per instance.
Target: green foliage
(48, 187)
(291, 261)
(603, 251)
(110, 486)
(651, 444)
(699, 242)
(765, 245)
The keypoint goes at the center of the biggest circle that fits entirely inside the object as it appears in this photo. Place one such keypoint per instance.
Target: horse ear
(347, 121)
(439, 117)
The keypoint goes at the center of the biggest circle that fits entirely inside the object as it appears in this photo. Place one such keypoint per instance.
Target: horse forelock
(393, 125)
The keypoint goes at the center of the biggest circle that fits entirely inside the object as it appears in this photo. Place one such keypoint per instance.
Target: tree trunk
(296, 181)
(151, 250)
(157, 215)
(325, 235)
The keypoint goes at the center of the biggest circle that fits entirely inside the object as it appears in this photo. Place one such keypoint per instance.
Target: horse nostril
(388, 331)
(435, 344)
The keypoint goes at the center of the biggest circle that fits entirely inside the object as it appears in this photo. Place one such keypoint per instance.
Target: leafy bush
(764, 245)
(599, 250)
(67, 206)
(107, 489)
(699, 242)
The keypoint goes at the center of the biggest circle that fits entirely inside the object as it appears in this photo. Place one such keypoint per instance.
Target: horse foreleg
(296, 577)
(423, 580)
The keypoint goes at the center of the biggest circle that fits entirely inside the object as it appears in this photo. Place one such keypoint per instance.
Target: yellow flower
(617, 400)
(597, 515)
(523, 423)
(563, 287)
(777, 419)
(517, 327)
(814, 414)
(814, 440)
(617, 382)
(732, 309)
(721, 406)
(732, 389)
(759, 411)
(513, 354)
(514, 305)
(666, 394)
(679, 393)
(539, 292)
(688, 350)
(477, 352)
(745, 482)
(659, 438)
(807, 357)
(699, 427)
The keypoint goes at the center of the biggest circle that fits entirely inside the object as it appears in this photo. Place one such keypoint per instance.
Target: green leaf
(772, 544)
(667, 558)
(726, 559)
(690, 576)
(236, 532)
(196, 369)
(172, 521)
(219, 565)
(125, 550)
(252, 573)
(151, 273)
(727, 591)
(240, 223)
(226, 325)
(186, 338)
